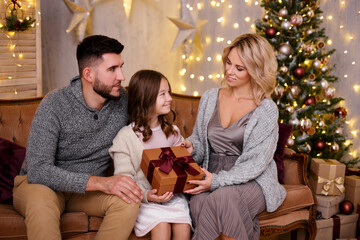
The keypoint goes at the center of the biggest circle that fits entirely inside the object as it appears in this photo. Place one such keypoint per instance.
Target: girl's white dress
(151, 214)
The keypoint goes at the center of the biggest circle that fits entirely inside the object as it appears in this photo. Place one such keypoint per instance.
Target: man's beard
(104, 90)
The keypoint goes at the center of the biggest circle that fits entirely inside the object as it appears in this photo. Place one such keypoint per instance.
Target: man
(67, 150)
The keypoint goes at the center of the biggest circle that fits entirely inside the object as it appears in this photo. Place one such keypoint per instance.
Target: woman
(234, 139)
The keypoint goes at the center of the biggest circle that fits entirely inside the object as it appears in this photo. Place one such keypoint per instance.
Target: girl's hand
(203, 185)
(188, 145)
(152, 197)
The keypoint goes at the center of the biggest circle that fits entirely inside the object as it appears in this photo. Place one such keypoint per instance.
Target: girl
(166, 216)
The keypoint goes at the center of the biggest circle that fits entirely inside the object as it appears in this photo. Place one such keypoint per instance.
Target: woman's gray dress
(230, 210)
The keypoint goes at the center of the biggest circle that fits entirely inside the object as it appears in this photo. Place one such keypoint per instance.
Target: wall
(148, 37)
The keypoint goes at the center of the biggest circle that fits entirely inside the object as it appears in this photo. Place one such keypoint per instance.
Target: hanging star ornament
(81, 16)
(127, 4)
(189, 26)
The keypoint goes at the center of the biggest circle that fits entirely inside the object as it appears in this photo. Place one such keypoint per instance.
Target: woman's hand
(188, 145)
(152, 197)
(203, 185)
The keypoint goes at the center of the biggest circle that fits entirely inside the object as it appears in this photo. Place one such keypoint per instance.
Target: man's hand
(188, 145)
(203, 185)
(152, 197)
(122, 186)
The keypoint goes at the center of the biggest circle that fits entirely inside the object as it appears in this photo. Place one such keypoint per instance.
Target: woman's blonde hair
(259, 59)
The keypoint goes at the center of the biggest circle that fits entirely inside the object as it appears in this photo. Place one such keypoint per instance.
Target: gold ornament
(189, 26)
(305, 124)
(290, 142)
(321, 124)
(279, 91)
(334, 147)
(295, 90)
(320, 44)
(289, 109)
(339, 131)
(324, 84)
(283, 69)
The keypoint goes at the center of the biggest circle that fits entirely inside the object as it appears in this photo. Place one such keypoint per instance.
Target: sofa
(297, 211)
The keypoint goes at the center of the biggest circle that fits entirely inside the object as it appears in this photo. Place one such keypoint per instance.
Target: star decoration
(189, 26)
(127, 7)
(81, 16)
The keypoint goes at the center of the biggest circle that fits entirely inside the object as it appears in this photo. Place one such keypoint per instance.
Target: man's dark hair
(92, 48)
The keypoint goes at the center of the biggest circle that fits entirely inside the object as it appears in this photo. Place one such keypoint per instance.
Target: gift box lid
(329, 201)
(324, 165)
(353, 181)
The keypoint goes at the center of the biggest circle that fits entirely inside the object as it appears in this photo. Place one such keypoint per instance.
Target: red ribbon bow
(169, 159)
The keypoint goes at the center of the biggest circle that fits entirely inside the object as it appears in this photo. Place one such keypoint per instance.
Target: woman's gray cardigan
(256, 161)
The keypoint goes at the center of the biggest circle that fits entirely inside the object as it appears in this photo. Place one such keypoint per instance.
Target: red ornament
(340, 111)
(346, 207)
(299, 72)
(319, 145)
(309, 101)
(270, 32)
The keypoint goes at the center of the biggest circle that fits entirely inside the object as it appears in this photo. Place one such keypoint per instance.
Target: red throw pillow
(284, 134)
(12, 156)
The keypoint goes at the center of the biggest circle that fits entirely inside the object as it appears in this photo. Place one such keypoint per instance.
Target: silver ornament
(295, 90)
(316, 63)
(321, 124)
(289, 109)
(285, 49)
(294, 122)
(285, 25)
(305, 148)
(290, 142)
(305, 124)
(324, 68)
(329, 92)
(283, 12)
(324, 84)
(279, 91)
(339, 131)
(334, 147)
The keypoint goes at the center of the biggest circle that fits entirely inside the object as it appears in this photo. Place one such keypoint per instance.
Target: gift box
(169, 169)
(327, 176)
(352, 186)
(339, 226)
(329, 205)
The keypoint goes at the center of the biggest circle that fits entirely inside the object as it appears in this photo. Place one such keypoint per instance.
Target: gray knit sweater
(69, 141)
(256, 161)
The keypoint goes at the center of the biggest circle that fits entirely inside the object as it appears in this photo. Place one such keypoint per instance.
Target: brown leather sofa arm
(296, 169)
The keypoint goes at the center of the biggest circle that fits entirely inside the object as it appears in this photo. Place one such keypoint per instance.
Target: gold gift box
(327, 176)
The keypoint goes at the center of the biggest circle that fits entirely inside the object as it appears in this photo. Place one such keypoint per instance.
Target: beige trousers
(42, 208)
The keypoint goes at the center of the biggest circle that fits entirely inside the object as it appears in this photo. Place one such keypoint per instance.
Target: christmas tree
(304, 92)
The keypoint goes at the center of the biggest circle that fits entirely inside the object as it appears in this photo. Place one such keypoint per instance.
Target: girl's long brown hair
(143, 90)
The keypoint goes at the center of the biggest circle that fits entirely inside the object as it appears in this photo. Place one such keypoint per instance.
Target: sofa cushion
(297, 197)
(284, 134)
(12, 156)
